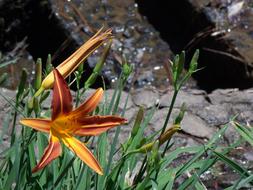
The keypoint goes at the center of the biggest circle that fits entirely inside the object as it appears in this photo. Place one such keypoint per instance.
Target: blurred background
(148, 33)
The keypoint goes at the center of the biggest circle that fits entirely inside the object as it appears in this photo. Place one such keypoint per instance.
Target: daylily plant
(66, 122)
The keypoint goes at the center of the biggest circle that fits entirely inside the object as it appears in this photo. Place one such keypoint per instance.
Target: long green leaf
(244, 132)
(241, 170)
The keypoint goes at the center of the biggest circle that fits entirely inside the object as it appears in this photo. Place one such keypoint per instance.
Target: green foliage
(38, 74)
(140, 162)
(3, 78)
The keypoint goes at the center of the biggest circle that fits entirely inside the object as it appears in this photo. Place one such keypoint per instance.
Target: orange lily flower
(65, 123)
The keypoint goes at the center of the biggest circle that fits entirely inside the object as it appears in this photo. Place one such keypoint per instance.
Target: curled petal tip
(100, 172)
(100, 90)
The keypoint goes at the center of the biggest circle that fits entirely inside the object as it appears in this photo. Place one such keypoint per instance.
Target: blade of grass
(102, 147)
(14, 171)
(174, 154)
(6, 63)
(81, 183)
(241, 170)
(67, 162)
(166, 179)
(116, 135)
(208, 162)
(42, 143)
(244, 132)
(244, 182)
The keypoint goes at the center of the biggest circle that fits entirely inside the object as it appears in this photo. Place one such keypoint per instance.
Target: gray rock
(195, 126)
(5, 107)
(183, 140)
(146, 97)
(232, 95)
(192, 99)
(158, 119)
(6, 94)
(130, 115)
(235, 102)
(231, 135)
(191, 124)
(215, 115)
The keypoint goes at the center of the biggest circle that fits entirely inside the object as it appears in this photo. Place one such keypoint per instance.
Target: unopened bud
(169, 133)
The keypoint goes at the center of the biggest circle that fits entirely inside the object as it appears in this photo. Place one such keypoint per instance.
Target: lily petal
(52, 151)
(83, 153)
(38, 124)
(95, 125)
(62, 99)
(89, 105)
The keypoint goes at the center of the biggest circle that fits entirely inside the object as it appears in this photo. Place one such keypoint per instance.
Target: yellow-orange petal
(52, 151)
(89, 105)
(62, 99)
(42, 125)
(94, 125)
(82, 152)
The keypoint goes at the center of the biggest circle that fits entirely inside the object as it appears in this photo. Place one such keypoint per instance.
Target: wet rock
(137, 40)
(33, 21)
(222, 30)
(14, 21)
(15, 61)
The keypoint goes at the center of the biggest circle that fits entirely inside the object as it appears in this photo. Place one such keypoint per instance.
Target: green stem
(168, 117)
(77, 96)
(13, 128)
(166, 147)
(41, 89)
(115, 139)
(142, 170)
(170, 111)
